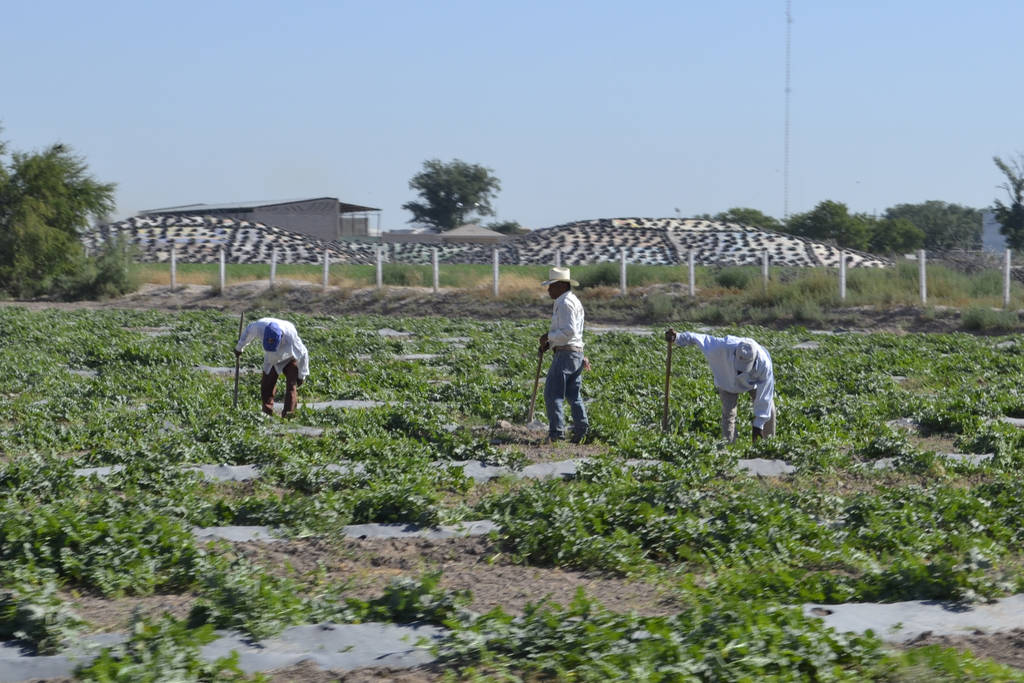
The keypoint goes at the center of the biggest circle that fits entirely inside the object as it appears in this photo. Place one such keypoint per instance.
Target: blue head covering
(272, 337)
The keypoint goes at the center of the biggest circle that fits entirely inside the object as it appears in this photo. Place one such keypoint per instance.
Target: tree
(895, 236)
(451, 192)
(945, 226)
(46, 201)
(1011, 216)
(748, 216)
(831, 220)
(507, 227)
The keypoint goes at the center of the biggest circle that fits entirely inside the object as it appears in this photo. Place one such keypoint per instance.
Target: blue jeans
(565, 377)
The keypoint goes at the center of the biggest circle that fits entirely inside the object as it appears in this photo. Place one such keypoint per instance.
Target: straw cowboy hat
(559, 275)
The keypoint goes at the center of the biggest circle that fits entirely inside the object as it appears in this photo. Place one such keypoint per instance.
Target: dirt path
(603, 305)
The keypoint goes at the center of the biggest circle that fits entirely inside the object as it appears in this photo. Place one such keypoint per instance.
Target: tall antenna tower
(785, 135)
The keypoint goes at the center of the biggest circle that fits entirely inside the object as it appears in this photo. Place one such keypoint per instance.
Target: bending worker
(565, 376)
(740, 366)
(283, 354)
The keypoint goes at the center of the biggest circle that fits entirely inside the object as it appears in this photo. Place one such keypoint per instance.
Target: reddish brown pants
(291, 393)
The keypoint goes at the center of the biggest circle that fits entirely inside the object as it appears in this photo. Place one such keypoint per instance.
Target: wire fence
(967, 262)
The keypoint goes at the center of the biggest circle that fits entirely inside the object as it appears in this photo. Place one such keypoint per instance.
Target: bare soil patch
(1006, 648)
(307, 672)
(468, 564)
(604, 305)
(531, 442)
(106, 615)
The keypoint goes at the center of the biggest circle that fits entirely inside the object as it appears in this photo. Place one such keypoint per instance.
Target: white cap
(745, 355)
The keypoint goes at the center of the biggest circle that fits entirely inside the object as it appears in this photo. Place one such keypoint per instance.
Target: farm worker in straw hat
(283, 354)
(565, 376)
(739, 365)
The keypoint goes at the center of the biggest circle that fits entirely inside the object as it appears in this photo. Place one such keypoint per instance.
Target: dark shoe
(580, 438)
(551, 439)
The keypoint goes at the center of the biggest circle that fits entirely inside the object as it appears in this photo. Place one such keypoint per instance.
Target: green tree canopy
(895, 236)
(747, 216)
(945, 226)
(507, 227)
(1011, 215)
(831, 220)
(451, 193)
(46, 200)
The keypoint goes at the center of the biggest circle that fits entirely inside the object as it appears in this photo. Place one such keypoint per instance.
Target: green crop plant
(874, 510)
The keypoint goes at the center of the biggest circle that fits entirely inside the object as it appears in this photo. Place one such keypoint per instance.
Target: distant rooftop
(472, 230)
(204, 208)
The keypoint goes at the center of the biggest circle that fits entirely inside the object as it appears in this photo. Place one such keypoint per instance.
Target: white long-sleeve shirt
(731, 375)
(291, 346)
(566, 322)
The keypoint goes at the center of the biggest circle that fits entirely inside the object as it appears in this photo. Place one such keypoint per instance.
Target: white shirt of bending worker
(291, 347)
(566, 322)
(740, 365)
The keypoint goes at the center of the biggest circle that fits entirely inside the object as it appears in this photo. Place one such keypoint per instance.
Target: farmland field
(660, 558)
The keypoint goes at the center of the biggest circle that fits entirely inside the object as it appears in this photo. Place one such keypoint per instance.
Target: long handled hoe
(536, 383)
(668, 379)
(238, 359)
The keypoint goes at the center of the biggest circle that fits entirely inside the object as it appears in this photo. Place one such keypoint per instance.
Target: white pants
(729, 400)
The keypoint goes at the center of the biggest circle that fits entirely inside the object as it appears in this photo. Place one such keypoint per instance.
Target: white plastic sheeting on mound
(236, 534)
(965, 458)
(241, 534)
(567, 469)
(482, 472)
(900, 622)
(336, 647)
(226, 472)
(480, 527)
(343, 404)
(762, 467)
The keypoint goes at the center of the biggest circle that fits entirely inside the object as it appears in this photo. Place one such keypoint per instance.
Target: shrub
(606, 274)
(739, 277)
(659, 307)
(405, 276)
(977, 319)
(112, 272)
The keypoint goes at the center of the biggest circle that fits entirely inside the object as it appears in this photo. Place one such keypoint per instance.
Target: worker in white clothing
(283, 354)
(565, 376)
(740, 366)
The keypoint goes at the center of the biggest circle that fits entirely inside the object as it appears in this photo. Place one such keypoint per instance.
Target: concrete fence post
(222, 278)
(380, 267)
(433, 262)
(842, 275)
(558, 258)
(174, 268)
(273, 266)
(764, 269)
(622, 272)
(327, 266)
(690, 262)
(1007, 266)
(496, 262)
(922, 275)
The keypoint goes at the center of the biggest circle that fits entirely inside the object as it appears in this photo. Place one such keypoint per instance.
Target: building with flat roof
(991, 237)
(325, 218)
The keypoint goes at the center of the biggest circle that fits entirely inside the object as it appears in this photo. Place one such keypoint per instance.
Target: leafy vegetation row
(740, 553)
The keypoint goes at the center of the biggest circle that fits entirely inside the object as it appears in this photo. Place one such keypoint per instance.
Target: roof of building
(471, 230)
(202, 208)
